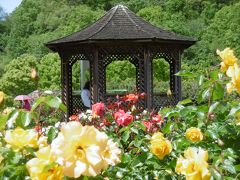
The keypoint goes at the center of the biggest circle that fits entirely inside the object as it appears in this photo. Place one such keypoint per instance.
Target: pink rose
(147, 124)
(98, 109)
(123, 118)
(156, 119)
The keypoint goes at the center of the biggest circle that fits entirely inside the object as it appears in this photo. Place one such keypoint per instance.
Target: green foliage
(49, 72)
(121, 75)
(215, 23)
(222, 32)
(16, 79)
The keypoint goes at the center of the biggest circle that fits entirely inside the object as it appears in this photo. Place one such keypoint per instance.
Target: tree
(222, 32)
(50, 72)
(17, 77)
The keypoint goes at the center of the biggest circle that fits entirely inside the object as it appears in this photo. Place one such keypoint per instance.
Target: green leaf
(167, 128)
(229, 167)
(23, 119)
(53, 102)
(214, 74)
(234, 110)
(201, 80)
(125, 136)
(135, 130)
(206, 94)
(185, 101)
(215, 174)
(38, 102)
(185, 74)
(13, 116)
(3, 120)
(237, 167)
(218, 92)
(213, 107)
(212, 134)
(52, 133)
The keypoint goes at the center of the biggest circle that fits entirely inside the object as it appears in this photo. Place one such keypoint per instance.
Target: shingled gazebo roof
(121, 24)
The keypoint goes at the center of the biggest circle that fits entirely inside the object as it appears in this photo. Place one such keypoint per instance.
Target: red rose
(123, 118)
(147, 124)
(106, 122)
(73, 118)
(156, 119)
(131, 97)
(98, 109)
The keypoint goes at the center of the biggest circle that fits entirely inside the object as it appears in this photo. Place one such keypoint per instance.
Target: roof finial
(120, 6)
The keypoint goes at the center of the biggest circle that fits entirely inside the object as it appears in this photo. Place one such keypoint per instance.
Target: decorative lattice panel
(162, 100)
(77, 104)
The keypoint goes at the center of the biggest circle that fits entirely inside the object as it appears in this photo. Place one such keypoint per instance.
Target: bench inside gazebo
(120, 34)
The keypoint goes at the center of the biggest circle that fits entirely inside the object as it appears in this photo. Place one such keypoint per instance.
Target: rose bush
(196, 139)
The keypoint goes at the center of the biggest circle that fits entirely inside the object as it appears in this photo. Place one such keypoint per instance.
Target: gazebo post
(175, 81)
(95, 77)
(66, 78)
(147, 78)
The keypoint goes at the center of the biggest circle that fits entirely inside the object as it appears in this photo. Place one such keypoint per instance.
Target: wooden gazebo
(120, 35)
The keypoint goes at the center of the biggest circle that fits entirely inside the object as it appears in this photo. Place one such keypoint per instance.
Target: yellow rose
(156, 136)
(34, 74)
(19, 138)
(194, 164)
(238, 119)
(83, 150)
(7, 110)
(194, 134)
(37, 166)
(1, 158)
(160, 146)
(169, 92)
(227, 57)
(234, 73)
(2, 98)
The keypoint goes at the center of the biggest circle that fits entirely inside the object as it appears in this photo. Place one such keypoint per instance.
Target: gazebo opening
(120, 77)
(161, 76)
(76, 77)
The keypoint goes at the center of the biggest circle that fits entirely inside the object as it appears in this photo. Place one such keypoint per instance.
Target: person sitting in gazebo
(85, 95)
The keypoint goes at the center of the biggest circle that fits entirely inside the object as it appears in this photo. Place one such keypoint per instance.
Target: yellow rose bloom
(2, 98)
(19, 138)
(194, 134)
(42, 142)
(160, 146)
(37, 167)
(228, 58)
(238, 119)
(1, 158)
(83, 150)
(156, 136)
(234, 73)
(194, 164)
(111, 154)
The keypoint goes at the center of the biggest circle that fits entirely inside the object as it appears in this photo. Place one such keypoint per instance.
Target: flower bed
(194, 140)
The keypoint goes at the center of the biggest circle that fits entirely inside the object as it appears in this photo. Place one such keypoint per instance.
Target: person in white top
(85, 95)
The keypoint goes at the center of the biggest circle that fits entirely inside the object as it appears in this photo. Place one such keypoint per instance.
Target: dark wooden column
(148, 78)
(175, 81)
(94, 72)
(66, 80)
(144, 81)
